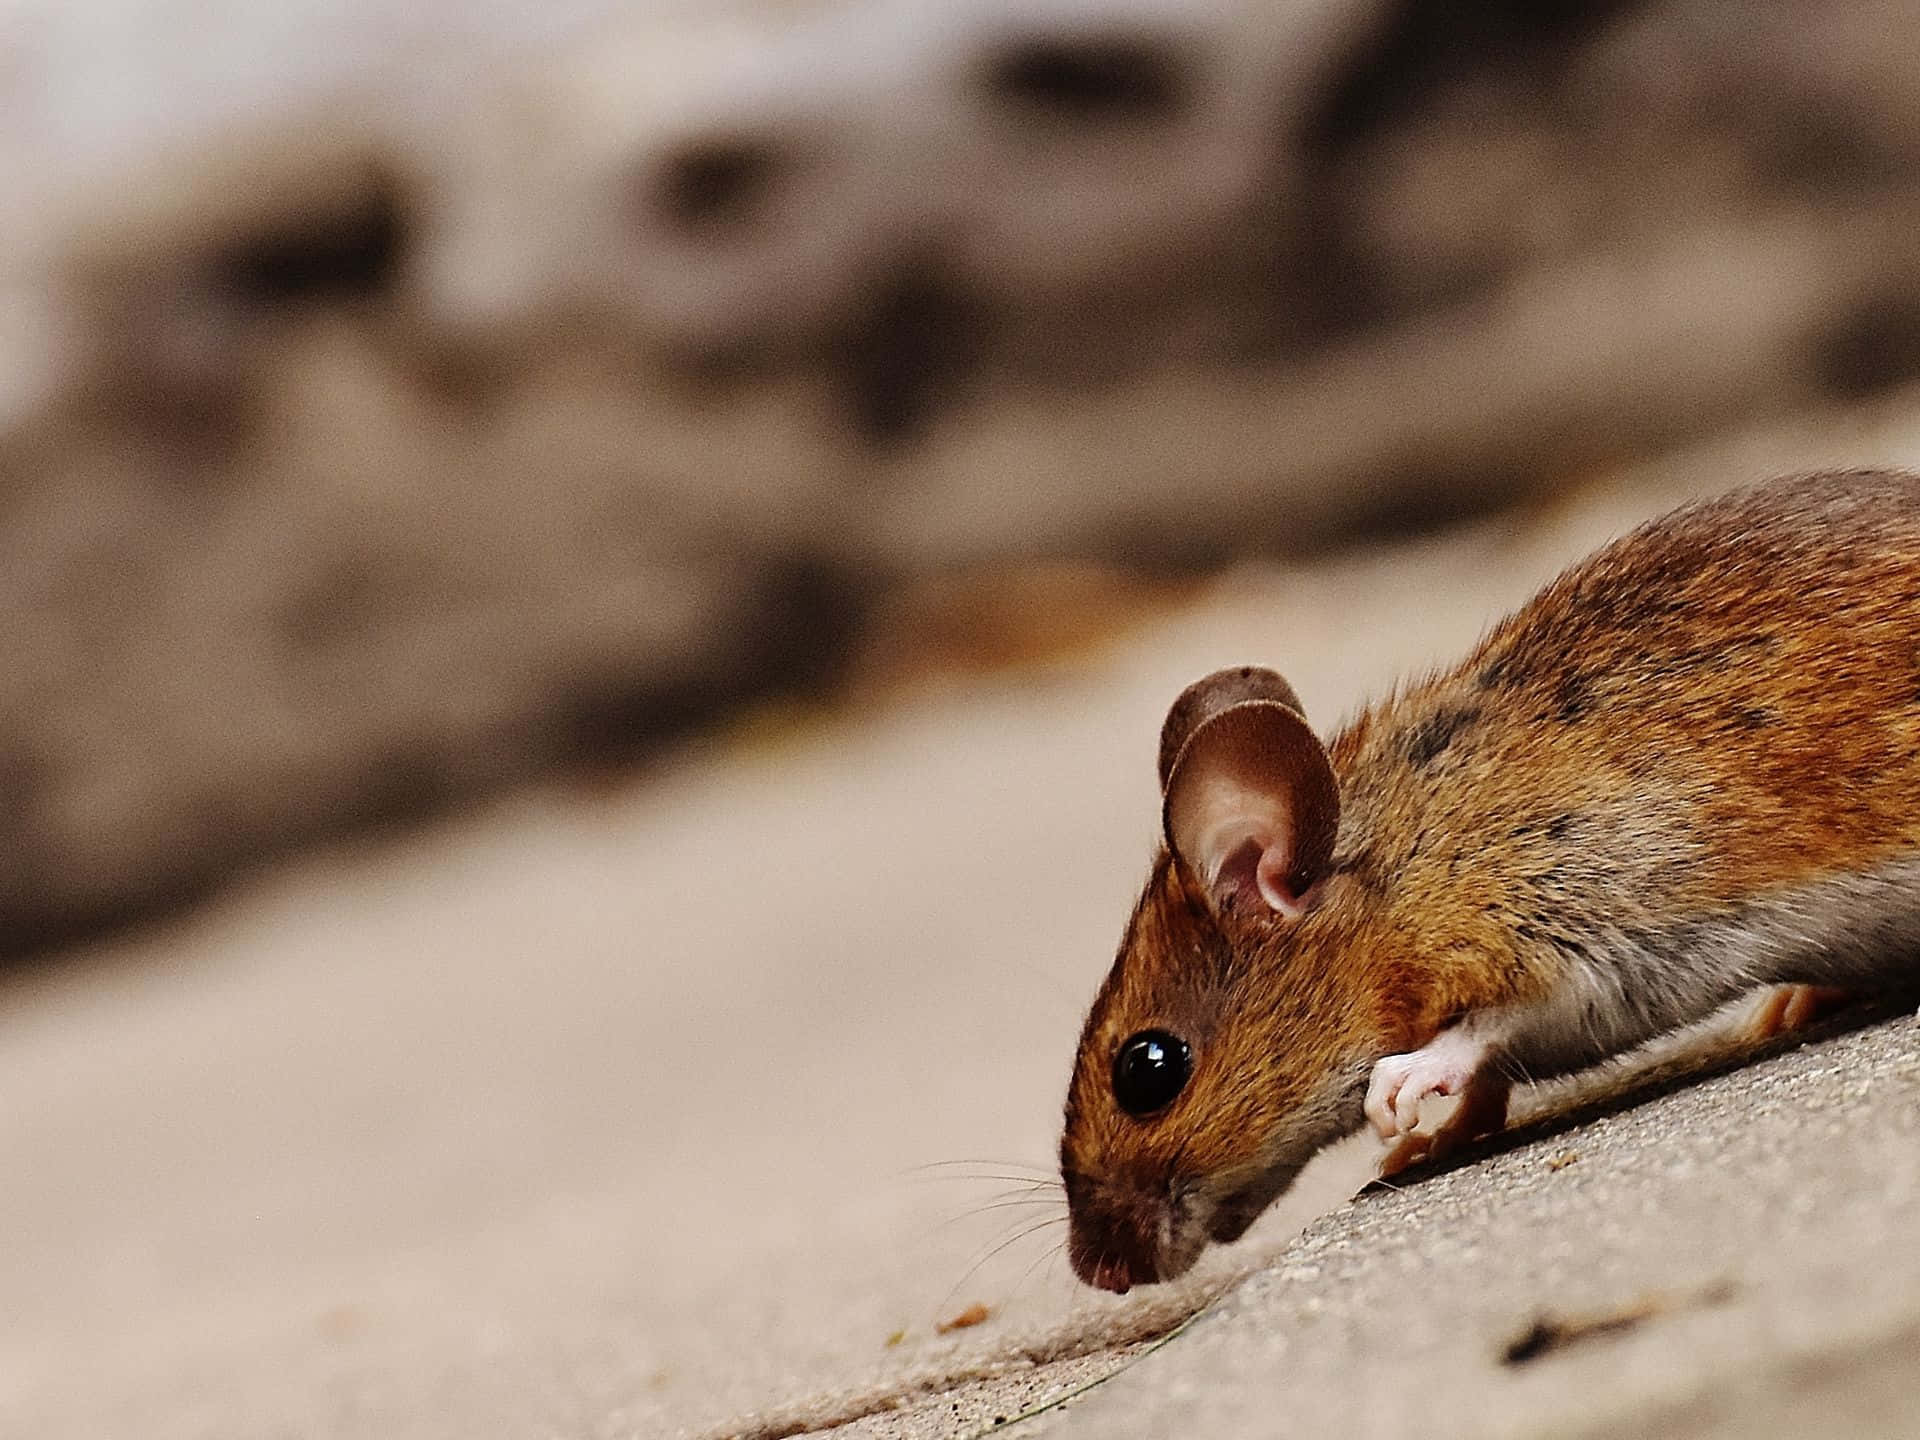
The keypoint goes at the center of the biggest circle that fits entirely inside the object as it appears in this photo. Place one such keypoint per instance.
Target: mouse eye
(1149, 1070)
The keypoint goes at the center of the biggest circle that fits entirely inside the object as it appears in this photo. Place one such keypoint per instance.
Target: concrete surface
(630, 1113)
(1766, 1217)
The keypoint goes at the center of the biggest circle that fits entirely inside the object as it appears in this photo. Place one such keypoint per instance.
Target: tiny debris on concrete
(974, 1314)
(1549, 1332)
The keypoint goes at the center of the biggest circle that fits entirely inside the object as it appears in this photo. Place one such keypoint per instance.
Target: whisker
(1047, 1201)
(1020, 1197)
(987, 1176)
(1010, 1230)
(1020, 1234)
(1032, 1186)
(978, 1210)
(1052, 1252)
(1026, 1192)
(1035, 1171)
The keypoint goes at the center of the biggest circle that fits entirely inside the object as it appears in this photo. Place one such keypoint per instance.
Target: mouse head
(1217, 1056)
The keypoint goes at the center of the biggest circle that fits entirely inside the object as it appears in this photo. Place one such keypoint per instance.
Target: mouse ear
(1206, 698)
(1251, 804)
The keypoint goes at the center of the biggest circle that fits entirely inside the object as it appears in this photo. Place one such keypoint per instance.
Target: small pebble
(974, 1314)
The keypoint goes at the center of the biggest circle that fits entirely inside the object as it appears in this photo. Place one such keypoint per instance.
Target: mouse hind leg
(1818, 946)
(1782, 1009)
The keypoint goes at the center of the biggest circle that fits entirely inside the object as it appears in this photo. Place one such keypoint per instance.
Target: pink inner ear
(1261, 867)
(1271, 876)
(1251, 808)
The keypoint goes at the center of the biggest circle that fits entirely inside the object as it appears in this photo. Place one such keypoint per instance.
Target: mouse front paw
(1453, 1063)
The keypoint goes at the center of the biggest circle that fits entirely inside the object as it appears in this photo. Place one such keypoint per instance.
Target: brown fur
(1721, 707)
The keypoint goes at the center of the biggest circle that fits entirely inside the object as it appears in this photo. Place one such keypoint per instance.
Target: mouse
(1686, 770)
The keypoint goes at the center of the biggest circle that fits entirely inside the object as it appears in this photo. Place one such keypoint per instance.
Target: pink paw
(1452, 1063)
(1401, 1082)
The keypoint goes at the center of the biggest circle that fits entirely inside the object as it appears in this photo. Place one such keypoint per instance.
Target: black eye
(1149, 1070)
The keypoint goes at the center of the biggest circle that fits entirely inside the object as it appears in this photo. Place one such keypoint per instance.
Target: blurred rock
(439, 408)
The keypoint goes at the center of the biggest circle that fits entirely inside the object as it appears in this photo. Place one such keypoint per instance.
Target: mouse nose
(1112, 1247)
(1112, 1273)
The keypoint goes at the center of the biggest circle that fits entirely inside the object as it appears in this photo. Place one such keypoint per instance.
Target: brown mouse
(1688, 768)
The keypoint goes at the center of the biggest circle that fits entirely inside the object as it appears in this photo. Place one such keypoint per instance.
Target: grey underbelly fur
(1856, 932)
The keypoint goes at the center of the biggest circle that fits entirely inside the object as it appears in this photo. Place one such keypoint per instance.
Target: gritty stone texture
(1764, 1215)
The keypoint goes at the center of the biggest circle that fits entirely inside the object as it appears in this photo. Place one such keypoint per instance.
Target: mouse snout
(1114, 1274)
(1111, 1257)
(1116, 1240)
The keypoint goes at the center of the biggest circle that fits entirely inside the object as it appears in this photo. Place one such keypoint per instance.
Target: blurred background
(698, 501)
(392, 408)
